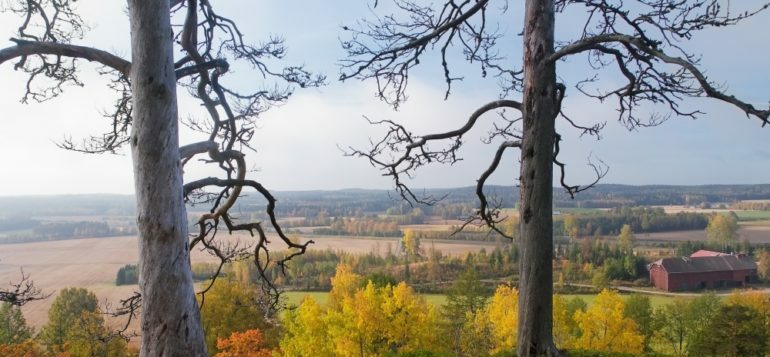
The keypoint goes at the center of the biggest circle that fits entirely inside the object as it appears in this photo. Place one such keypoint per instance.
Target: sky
(298, 144)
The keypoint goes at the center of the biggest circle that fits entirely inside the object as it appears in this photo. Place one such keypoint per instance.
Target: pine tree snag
(539, 113)
(170, 323)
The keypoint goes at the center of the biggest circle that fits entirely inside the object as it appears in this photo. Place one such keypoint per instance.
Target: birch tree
(146, 118)
(641, 41)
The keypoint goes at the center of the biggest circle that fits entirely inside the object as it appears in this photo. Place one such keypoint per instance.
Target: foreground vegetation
(378, 317)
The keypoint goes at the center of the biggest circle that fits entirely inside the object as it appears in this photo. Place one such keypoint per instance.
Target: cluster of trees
(608, 196)
(75, 328)
(751, 205)
(127, 275)
(462, 202)
(377, 227)
(362, 317)
(430, 270)
(641, 220)
(601, 262)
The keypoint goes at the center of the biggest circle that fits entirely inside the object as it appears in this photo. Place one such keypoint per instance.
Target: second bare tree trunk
(170, 319)
(539, 111)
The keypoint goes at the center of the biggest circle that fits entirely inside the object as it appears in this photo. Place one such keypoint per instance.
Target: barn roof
(707, 253)
(705, 264)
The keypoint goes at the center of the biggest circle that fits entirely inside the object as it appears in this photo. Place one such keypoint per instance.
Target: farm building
(707, 253)
(702, 272)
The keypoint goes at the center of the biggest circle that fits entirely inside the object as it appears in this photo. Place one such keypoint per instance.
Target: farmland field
(743, 215)
(753, 215)
(754, 232)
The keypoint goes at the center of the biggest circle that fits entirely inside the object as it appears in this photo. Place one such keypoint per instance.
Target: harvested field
(754, 233)
(676, 209)
(437, 227)
(93, 263)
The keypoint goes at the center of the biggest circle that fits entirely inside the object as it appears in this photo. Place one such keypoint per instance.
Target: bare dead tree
(145, 117)
(22, 292)
(642, 39)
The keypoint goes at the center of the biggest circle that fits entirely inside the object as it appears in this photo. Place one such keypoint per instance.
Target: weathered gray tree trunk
(170, 318)
(539, 111)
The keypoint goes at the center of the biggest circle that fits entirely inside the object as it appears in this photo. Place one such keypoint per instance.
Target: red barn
(704, 272)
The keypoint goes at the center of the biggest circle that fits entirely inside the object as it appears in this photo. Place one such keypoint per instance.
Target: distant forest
(459, 202)
(356, 202)
(359, 212)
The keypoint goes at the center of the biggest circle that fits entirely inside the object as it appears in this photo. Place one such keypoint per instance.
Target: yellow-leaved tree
(503, 312)
(604, 328)
(358, 327)
(476, 335)
(411, 321)
(306, 332)
(344, 284)
(755, 300)
(232, 307)
(563, 324)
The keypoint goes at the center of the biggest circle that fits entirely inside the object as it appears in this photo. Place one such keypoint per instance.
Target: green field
(578, 210)
(293, 298)
(655, 300)
(753, 215)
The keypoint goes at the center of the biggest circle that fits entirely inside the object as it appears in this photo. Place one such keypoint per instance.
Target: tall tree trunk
(539, 111)
(170, 318)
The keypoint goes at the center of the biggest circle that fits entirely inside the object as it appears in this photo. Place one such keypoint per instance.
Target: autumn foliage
(243, 344)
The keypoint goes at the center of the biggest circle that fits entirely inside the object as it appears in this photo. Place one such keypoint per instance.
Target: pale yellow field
(93, 263)
(677, 208)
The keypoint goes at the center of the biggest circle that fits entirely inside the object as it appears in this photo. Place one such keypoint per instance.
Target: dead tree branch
(22, 292)
(413, 151)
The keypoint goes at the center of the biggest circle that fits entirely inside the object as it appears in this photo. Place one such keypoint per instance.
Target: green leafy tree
(672, 327)
(700, 314)
(465, 299)
(736, 330)
(76, 326)
(66, 310)
(13, 326)
(639, 309)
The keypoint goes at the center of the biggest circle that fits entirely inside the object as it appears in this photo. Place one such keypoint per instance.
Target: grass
(655, 300)
(294, 298)
(752, 215)
(578, 210)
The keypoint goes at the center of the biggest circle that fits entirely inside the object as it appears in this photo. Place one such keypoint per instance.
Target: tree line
(47, 231)
(641, 220)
